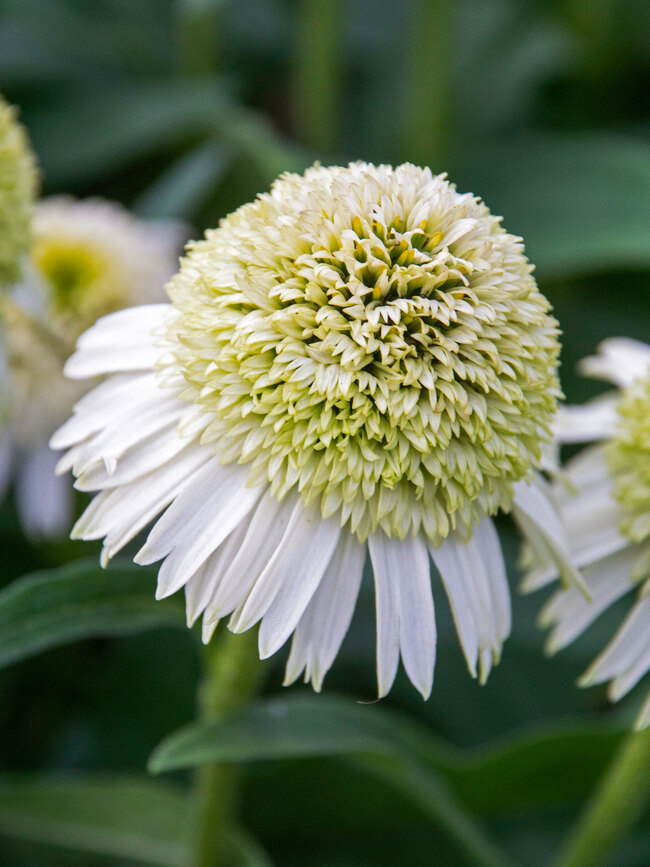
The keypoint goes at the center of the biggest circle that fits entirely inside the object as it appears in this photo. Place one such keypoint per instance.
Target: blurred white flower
(604, 497)
(359, 361)
(88, 258)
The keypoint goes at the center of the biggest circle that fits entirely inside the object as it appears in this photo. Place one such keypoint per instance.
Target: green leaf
(80, 600)
(119, 816)
(122, 123)
(534, 770)
(530, 769)
(386, 745)
(581, 202)
(186, 184)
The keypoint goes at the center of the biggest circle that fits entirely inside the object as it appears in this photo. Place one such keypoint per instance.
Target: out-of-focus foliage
(181, 108)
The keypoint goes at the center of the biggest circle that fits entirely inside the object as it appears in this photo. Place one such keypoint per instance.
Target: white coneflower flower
(358, 361)
(88, 258)
(18, 181)
(605, 504)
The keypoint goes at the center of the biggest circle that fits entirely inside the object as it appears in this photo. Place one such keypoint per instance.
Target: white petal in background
(44, 500)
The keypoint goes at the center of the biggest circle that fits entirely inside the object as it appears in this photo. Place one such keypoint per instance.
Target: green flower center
(628, 454)
(374, 338)
(17, 193)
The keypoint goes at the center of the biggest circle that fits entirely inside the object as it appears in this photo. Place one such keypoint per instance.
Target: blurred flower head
(87, 259)
(359, 360)
(18, 182)
(604, 498)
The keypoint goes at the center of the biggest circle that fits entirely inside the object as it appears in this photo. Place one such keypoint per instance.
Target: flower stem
(317, 72)
(232, 675)
(425, 127)
(614, 808)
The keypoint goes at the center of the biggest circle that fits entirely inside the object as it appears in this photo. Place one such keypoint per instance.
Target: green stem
(232, 675)
(619, 801)
(427, 92)
(317, 70)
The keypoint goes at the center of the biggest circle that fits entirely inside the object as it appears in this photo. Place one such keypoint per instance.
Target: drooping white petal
(621, 360)
(627, 658)
(121, 341)
(404, 610)
(202, 586)
(571, 613)
(157, 412)
(386, 570)
(595, 420)
(266, 528)
(121, 513)
(142, 457)
(289, 578)
(120, 396)
(417, 626)
(299, 564)
(322, 628)
(474, 576)
(196, 523)
(538, 518)
(44, 500)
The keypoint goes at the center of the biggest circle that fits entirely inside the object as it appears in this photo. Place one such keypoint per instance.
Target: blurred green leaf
(121, 816)
(540, 769)
(186, 184)
(386, 745)
(80, 600)
(534, 770)
(581, 202)
(90, 132)
(124, 817)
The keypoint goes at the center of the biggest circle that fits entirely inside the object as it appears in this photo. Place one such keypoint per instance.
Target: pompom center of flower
(374, 338)
(628, 454)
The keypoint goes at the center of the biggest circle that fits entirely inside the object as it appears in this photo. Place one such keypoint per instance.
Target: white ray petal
(119, 396)
(621, 360)
(322, 628)
(196, 523)
(487, 540)
(201, 587)
(464, 572)
(44, 500)
(289, 565)
(157, 412)
(141, 458)
(122, 341)
(417, 626)
(385, 566)
(595, 420)
(541, 523)
(630, 644)
(571, 613)
(297, 567)
(450, 564)
(114, 512)
(266, 528)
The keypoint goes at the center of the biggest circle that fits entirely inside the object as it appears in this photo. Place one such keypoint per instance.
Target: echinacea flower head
(18, 182)
(605, 504)
(87, 258)
(359, 360)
